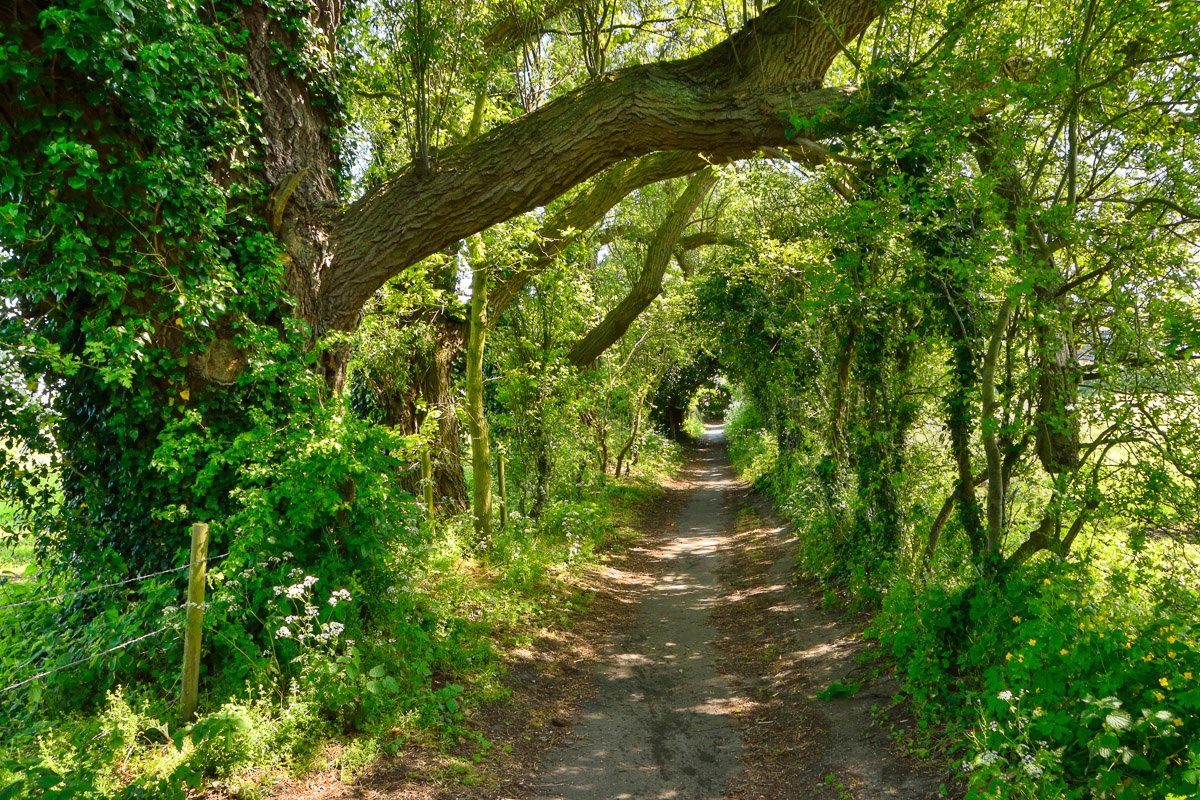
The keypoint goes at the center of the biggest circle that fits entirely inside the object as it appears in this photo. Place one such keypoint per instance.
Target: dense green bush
(1067, 683)
(1076, 678)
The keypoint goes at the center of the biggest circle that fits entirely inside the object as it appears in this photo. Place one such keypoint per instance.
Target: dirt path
(710, 691)
(659, 725)
(692, 676)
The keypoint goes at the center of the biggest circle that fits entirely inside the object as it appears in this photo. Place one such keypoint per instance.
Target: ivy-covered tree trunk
(298, 119)
(432, 390)
(151, 289)
(883, 421)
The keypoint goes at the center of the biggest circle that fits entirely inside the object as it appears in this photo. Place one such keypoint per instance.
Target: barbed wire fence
(197, 566)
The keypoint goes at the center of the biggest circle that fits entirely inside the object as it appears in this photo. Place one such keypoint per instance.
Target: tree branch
(729, 100)
(585, 210)
(649, 283)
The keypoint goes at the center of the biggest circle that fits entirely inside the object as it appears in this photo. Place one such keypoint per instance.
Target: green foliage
(838, 689)
(1084, 683)
(154, 371)
(753, 451)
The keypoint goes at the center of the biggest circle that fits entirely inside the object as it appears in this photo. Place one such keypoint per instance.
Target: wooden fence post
(427, 480)
(195, 620)
(503, 494)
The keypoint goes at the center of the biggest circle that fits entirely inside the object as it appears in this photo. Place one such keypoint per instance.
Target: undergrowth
(1075, 678)
(426, 655)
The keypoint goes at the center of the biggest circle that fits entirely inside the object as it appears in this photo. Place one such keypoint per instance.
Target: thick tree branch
(649, 283)
(729, 100)
(586, 209)
(694, 241)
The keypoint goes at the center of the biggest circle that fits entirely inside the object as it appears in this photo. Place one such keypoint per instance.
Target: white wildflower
(331, 631)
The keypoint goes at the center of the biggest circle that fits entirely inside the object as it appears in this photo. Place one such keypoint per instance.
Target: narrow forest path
(659, 725)
(710, 690)
(693, 675)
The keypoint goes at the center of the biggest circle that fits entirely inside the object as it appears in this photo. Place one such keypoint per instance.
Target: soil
(693, 675)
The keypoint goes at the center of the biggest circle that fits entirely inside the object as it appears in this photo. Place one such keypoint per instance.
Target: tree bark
(481, 456)
(649, 283)
(300, 164)
(989, 424)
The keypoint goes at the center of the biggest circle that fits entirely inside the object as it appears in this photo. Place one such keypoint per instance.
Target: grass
(16, 552)
(16, 559)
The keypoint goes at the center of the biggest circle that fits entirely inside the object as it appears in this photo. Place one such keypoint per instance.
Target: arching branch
(729, 100)
(649, 283)
(585, 210)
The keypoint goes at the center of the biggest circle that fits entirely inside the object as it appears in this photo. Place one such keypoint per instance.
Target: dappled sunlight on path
(659, 726)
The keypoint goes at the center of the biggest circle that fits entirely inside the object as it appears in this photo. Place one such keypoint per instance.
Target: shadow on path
(659, 726)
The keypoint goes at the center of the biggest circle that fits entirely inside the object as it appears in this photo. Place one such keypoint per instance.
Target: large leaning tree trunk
(729, 101)
(726, 102)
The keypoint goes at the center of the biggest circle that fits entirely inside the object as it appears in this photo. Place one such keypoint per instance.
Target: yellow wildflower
(1163, 682)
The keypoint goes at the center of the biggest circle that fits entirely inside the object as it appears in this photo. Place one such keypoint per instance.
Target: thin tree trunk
(939, 523)
(633, 434)
(481, 457)
(991, 448)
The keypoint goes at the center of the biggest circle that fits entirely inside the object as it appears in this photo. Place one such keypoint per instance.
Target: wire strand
(79, 661)
(94, 589)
